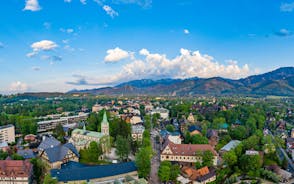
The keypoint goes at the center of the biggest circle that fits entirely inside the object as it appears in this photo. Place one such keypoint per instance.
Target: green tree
(3, 155)
(199, 139)
(207, 158)
(238, 133)
(94, 151)
(122, 147)
(38, 169)
(174, 172)
(250, 163)
(230, 158)
(16, 156)
(143, 162)
(49, 180)
(164, 171)
(170, 128)
(59, 133)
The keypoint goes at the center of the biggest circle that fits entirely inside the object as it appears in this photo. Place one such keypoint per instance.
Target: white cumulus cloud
(32, 5)
(115, 55)
(18, 86)
(44, 45)
(186, 65)
(111, 12)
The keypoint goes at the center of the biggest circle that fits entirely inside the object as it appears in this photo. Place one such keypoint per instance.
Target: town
(80, 138)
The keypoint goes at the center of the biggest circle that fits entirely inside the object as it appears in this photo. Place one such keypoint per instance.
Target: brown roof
(189, 149)
(194, 174)
(15, 168)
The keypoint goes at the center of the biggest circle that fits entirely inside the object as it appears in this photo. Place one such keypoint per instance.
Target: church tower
(105, 125)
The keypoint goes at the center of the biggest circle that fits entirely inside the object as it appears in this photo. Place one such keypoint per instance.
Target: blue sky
(59, 45)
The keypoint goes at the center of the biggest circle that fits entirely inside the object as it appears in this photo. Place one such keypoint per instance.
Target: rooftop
(73, 171)
(231, 145)
(6, 126)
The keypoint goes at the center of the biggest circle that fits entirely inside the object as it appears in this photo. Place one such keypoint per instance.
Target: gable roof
(47, 142)
(194, 127)
(84, 172)
(15, 168)
(57, 153)
(231, 145)
(189, 149)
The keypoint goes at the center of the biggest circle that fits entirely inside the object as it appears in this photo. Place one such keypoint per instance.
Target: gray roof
(231, 145)
(6, 126)
(47, 142)
(26, 154)
(58, 152)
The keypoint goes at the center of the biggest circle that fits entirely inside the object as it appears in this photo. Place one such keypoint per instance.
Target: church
(81, 138)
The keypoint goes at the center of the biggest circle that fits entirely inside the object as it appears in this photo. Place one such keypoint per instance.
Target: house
(194, 129)
(81, 138)
(16, 171)
(30, 138)
(4, 146)
(53, 153)
(175, 138)
(212, 135)
(137, 132)
(26, 153)
(7, 133)
(230, 146)
(135, 120)
(199, 176)
(191, 118)
(164, 113)
(186, 153)
(78, 173)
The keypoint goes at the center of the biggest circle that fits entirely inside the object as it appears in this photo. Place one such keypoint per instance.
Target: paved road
(155, 162)
(284, 155)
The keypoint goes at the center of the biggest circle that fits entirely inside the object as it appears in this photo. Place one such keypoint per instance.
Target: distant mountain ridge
(278, 82)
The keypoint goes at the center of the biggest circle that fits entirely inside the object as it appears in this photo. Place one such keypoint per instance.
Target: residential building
(81, 138)
(16, 172)
(230, 146)
(199, 176)
(4, 146)
(191, 118)
(79, 173)
(186, 152)
(53, 153)
(194, 129)
(97, 108)
(7, 133)
(49, 125)
(137, 132)
(135, 120)
(175, 138)
(164, 113)
(26, 153)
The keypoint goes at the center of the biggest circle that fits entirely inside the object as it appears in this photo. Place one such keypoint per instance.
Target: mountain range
(279, 82)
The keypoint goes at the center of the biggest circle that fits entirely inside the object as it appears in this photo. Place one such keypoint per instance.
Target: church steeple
(105, 124)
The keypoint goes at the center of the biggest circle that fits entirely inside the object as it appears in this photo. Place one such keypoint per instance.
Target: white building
(164, 113)
(7, 133)
(135, 120)
(175, 139)
(137, 132)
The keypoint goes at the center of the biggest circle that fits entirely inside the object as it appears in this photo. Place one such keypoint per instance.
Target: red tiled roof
(189, 149)
(15, 168)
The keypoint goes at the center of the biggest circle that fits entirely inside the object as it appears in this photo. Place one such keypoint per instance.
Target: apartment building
(7, 133)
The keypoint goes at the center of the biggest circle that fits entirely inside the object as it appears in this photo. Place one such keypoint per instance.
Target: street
(155, 161)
